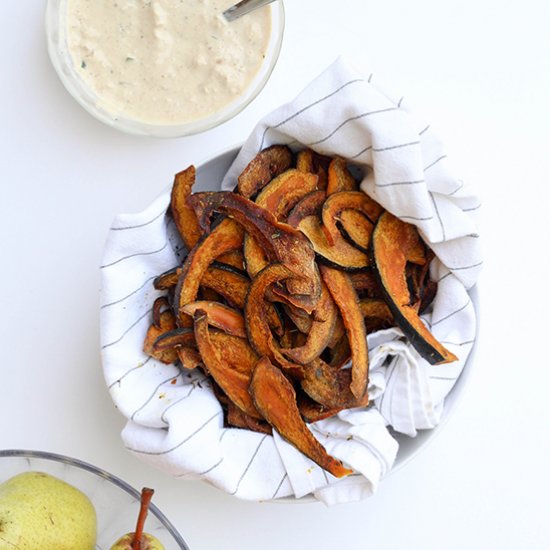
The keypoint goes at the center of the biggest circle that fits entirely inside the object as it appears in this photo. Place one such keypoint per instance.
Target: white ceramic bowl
(116, 503)
(209, 177)
(64, 66)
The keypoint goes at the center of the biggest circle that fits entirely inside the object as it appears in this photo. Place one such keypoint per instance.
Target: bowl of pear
(83, 506)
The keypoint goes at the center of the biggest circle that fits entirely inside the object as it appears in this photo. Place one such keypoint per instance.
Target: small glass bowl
(116, 503)
(61, 59)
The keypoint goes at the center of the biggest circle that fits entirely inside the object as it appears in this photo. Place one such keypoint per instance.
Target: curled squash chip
(310, 205)
(228, 235)
(257, 327)
(164, 323)
(365, 282)
(346, 200)
(356, 228)
(392, 243)
(346, 299)
(238, 419)
(184, 217)
(278, 197)
(233, 382)
(235, 350)
(294, 297)
(300, 319)
(330, 386)
(220, 316)
(339, 177)
(267, 164)
(314, 163)
(233, 258)
(168, 279)
(311, 411)
(190, 358)
(233, 286)
(275, 398)
(340, 255)
(227, 282)
(255, 258)
(175, 338)
(320, 332)
(282, 193)
(338, 332)
(340, 353)
(161, 305)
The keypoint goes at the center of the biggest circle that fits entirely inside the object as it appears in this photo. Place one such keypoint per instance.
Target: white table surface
(479, 71)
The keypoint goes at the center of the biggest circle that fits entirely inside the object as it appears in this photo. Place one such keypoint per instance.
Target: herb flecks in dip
(165, 61)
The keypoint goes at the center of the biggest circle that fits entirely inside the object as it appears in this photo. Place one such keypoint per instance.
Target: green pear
(138, 540)
(41, 512)
(148, 542)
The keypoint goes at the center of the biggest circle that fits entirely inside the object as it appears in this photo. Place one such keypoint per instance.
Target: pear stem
(146, 496)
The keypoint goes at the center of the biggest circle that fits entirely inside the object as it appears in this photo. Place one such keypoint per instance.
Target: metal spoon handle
(243, 7)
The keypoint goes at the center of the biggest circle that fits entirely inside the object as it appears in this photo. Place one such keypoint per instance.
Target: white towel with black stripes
(175, 423)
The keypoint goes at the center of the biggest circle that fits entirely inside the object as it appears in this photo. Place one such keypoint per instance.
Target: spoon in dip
(243, 7)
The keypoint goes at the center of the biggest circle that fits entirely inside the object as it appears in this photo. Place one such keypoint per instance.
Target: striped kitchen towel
(175, 423)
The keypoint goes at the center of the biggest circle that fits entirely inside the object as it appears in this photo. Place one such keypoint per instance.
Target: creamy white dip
(165, 61)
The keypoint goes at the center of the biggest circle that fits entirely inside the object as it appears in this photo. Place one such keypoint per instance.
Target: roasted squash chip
(228, 235)
(346, 200)
(343, 293)
(235, 350)
(366, 283)
(285, 191)
(340, 255)
(311, 411)
(168, 279)
(257, 328)
(356, 228)
(314, 163)
(238, 419)
(376, 313)
(278, 197)
(263, 168)
(320, 332)
(190, 358)
(233, 382)
(184, 217)
(164, 323)
(175, 338)
(393, 240)
(275, 398)
(310, 205)
(339, 177)
(227, 282)
(220, 316)
(330, 386)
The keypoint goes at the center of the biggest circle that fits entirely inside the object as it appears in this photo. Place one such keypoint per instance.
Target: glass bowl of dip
(116, 503)
(162, 68)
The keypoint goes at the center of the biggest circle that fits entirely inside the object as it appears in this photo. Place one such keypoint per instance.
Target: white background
(479, 72)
